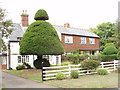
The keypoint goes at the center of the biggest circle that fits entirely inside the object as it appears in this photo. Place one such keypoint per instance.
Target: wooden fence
(50, 72)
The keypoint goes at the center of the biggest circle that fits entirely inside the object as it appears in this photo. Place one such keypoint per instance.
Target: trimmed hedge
(41, 14)
(118, 55)
(109, 50)
(20, 67)
(89, 64)
(109, 57)
(41, 39)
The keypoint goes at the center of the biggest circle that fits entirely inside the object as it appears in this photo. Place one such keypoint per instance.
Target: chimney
(67, 25)
(24, 18)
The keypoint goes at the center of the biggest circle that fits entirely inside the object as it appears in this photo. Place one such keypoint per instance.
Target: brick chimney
(67, 25)
(24, 18)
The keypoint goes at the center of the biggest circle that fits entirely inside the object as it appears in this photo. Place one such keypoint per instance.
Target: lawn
(88, 81)
(32, 74)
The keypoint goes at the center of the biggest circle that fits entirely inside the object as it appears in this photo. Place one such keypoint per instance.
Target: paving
(12, 81)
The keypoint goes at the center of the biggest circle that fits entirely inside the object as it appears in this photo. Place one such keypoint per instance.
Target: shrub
(89, 64)
(60, 76)
(118, 55)
(38, 63)
(109, 50)
(74, 74)
(20, 67)
(74, 58)
(41, 15)
(102, 71)
(65, 63)
(27, 66)
(109, 57)
(97, 56)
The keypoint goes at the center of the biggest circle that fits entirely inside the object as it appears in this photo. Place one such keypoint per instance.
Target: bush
(74, 58)
(74, 74)
(109, 57)
(109, 50)
(65, 63)
(38, 63)
(89, 64)
(60, 76)
(97, 56)
(102, 71)
(118, 55)
(20, 67)
(27, 66)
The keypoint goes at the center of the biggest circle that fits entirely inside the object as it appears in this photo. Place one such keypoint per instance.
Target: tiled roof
(75, 31)
(18, 32)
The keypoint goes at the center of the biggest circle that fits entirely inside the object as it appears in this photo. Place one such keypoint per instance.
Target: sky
(83, 14)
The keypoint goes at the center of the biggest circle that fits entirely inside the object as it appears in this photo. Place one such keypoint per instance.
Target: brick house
(78, 39)
(72, 39)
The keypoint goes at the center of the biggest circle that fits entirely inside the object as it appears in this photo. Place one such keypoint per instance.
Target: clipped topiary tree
(109, 53)
(41, 38)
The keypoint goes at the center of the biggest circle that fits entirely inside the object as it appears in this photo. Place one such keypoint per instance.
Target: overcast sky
(79, 13)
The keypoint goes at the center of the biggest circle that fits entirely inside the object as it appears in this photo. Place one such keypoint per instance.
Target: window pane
(68, 39)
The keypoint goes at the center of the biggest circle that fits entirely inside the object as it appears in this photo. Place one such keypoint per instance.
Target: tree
(5, 29)
(41, 38)
(105, 31)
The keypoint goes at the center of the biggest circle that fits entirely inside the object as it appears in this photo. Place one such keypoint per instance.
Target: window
(68, 39)
(91, 40)
(46, 57)
(82, 40)
(22, 59)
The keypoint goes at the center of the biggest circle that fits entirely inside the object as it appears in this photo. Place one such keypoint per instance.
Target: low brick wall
(3, 67)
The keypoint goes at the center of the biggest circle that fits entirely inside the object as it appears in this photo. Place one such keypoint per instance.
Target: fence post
(69, 69)
(114, 65)
(102, 64)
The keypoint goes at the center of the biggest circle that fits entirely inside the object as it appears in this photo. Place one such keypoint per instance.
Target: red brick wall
(76, 43)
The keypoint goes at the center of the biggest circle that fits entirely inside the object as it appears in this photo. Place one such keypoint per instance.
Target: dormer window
(19, 38)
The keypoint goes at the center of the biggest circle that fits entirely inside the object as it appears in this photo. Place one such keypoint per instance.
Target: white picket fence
(50, 72)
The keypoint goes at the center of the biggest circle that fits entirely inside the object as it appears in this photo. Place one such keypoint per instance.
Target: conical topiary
(41, 38)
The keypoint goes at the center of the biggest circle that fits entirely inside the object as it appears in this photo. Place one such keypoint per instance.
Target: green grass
(32, 74)
(88, 81)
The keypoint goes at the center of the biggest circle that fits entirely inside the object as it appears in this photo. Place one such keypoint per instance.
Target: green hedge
(118, 55)
(109, 57)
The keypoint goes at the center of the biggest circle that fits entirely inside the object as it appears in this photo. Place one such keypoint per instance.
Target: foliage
(102, 71)
(109, 53)
(118, 55)
(109, 57)
(74, 74)
(41, 38)
(38, 63)
(41, 14)
(20, 67)
(76, 52)
(105, 31)
(65, 63)
(90, 64)
(60, 76)
(5, 29)
(27, 66)
(97, 56)
(110, 50)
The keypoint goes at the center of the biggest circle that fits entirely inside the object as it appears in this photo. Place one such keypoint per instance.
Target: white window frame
(83, 40)
(68, 39)
(91, 40)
